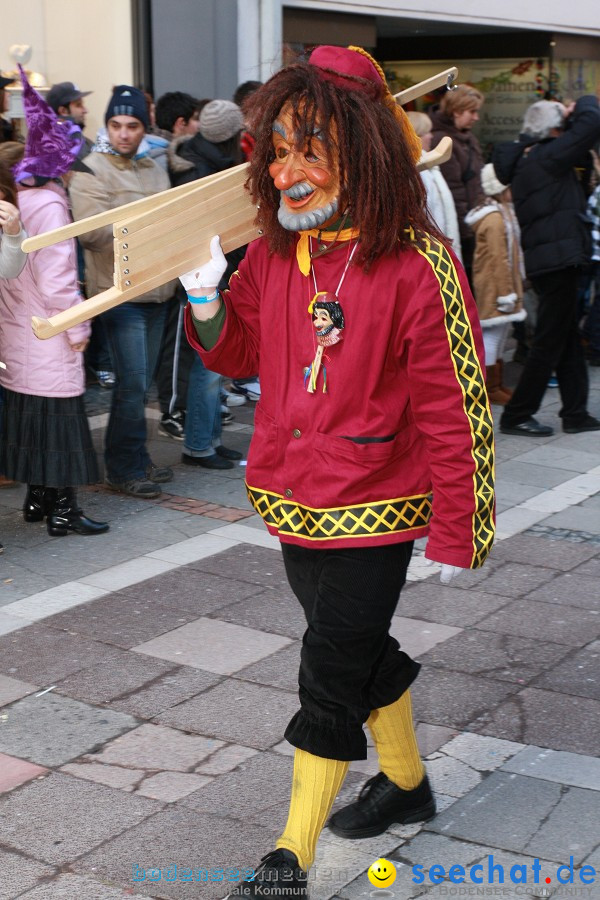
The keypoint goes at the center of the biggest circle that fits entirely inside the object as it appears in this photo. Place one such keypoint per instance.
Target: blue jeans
(134, 332)
(203, 412)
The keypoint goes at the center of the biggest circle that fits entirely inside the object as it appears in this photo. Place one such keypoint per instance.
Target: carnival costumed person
(45, 439)
(365, 439)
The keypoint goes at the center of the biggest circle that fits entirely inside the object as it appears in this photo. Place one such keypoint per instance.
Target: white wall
(88, 42)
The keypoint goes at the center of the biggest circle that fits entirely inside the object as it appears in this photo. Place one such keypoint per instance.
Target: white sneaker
(250, 390)
(232, 399)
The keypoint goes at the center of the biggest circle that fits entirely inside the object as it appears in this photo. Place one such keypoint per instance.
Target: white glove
(447, 573)
(204, 281)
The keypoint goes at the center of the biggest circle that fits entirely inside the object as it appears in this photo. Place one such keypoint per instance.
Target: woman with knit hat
(353, 435)
(45, 441)
(498, 274)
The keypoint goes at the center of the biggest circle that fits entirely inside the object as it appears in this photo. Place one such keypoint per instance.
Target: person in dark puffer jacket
(550, 206)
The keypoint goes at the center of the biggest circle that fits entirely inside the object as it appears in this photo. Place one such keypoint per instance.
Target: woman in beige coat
(497, 275)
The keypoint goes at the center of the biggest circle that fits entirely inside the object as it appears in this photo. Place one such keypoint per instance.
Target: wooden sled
(158, 238)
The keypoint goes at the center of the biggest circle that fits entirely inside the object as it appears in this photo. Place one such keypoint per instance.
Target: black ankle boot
(65, 516)
(34, 505)
(381, 804)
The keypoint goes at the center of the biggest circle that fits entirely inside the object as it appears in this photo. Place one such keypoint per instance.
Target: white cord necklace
(328, 322)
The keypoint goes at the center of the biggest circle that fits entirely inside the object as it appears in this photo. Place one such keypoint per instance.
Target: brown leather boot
(502, 386)
(492, 384)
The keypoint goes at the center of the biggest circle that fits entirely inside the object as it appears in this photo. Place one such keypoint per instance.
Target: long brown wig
(379, 184)
(7, 184)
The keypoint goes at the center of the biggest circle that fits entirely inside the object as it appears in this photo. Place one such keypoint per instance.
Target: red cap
(344, 62)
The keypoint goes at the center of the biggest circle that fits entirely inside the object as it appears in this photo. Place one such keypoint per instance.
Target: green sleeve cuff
(209, 331)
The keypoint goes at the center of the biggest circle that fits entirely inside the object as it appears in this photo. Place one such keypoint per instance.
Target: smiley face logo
(382, 873)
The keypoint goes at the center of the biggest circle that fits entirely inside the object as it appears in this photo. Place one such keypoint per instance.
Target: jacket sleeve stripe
(468, 372)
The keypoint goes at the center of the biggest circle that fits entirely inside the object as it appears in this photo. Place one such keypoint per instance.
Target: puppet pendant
(328, 322)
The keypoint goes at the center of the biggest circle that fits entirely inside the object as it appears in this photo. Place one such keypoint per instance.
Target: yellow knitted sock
(396, 742)
(315, 786)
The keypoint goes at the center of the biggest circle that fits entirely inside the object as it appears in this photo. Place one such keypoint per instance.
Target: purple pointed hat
(52, 144)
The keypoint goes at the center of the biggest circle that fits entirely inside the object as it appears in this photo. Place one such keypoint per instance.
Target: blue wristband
(201, 300)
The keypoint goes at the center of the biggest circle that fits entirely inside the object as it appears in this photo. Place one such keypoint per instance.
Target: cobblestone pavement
(147, 675)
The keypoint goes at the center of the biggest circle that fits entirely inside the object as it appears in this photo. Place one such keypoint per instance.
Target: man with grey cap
(550, 206)
(66, 99)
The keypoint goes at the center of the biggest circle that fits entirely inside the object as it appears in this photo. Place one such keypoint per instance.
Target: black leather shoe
(587, 424)
(277, 876)
(228, 453)
(207, 462)
(530, 428)
(381, 804)
(34, 505)
(66, 516)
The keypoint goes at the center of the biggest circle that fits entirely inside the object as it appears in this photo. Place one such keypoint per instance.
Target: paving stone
(448, 605)
(9, 623)
(113, 776)
(121, 620)
(11, 689)
(545, 622)
(562, 556)
(43, 655)
(157, 747)
(453, 698)
(178, 685)
(183, 590)
(14, 772)
(52, 730)
(578, 674)
(451, 776)
(213, 646)
(273, 609)
(257, 565)
(572, 588)
(544, 719)
(237, 712)
(553, 765)
(47, 603)
(514, 579)
(179, 836)
(72, 817)
(530, 473)
(481, 752)
(279, 669)
(591, 567)
(416, 637)
(258, 783)
(338, 862)
(503, 811)
(226, 759)
(189, 551)
(19, 874)
(101, 684)
(571, 829)
(67, 887)
(431, 737)
(503, 657)
(578, 517)
(171, 786)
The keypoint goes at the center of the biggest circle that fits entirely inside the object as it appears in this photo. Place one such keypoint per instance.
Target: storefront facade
(513, 51)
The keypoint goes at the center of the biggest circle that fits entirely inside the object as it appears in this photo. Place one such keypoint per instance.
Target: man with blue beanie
(122, 171)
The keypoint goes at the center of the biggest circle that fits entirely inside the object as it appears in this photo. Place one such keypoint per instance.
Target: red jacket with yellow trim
(401, 443)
